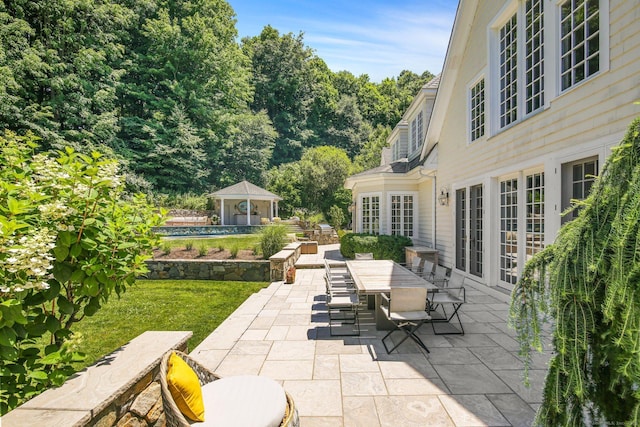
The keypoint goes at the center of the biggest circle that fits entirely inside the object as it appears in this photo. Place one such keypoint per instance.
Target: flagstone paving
(470, 380)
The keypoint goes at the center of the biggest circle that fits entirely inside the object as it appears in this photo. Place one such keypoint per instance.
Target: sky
(379, 38)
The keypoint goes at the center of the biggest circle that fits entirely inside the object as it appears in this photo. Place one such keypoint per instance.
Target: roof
(433, 83)
(245, 189)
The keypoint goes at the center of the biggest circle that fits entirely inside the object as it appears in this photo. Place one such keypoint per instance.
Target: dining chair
(342, 307)
(454, 296)
(406, 309)
(427, 270)
(364, 255)
(439, 276)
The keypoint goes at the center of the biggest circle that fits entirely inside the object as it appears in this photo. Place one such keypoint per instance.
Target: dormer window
(417, 132)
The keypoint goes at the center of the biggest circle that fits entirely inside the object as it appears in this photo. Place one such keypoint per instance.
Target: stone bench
(121, 388)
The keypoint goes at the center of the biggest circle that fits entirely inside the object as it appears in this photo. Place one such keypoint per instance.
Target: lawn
(161, 305)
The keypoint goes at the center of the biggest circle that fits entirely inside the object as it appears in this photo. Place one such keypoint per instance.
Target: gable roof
(245, 189)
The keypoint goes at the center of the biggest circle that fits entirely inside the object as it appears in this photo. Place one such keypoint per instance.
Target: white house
(532, 97)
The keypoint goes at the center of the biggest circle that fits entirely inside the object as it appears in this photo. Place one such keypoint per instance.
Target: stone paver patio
(471, 380)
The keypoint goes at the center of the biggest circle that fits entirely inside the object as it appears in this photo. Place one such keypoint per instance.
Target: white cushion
(244, 401)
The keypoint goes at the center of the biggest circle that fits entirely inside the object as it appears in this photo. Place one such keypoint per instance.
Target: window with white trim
(370, 211)
(518, 62)
(509, 72)
(579, 40)
(396, 150)
(509, 231)
(417, 131)
(402, 215)
(534, 192)
(477, 110)
(534, 56)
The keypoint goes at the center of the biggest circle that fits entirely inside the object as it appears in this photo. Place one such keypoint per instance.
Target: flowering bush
(68, 240)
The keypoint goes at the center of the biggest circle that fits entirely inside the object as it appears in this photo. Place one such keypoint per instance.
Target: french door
(470, 230)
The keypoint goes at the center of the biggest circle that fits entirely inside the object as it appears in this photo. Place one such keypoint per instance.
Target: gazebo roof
(243, 190)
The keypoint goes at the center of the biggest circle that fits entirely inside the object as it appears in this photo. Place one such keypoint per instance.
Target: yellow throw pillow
(185, 388)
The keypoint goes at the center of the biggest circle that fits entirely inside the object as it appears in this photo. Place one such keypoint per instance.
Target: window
(518, 62)
(417, 131)
(509, 231)
(534, 56)
(534, 192)
(396, 150)
(579, 40)
(477, 110)
(370, 214)
(508, 72)
(402, 215)
(577, 179)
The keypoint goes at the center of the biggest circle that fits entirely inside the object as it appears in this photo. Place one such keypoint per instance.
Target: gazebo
(245, 204)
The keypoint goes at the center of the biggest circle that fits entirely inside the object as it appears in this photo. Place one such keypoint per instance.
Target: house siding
(586, 119)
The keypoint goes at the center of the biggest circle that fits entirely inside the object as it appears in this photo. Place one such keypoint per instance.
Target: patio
(282, 332)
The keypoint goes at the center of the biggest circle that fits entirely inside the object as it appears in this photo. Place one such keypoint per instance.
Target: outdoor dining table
(375, 277)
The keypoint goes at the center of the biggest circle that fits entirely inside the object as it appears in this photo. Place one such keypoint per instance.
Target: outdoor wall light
(352, 206)
(443, 198)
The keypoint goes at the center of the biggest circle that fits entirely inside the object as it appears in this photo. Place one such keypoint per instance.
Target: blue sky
(375, 37)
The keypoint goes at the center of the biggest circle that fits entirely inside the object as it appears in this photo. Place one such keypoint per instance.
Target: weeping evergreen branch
(588, 285)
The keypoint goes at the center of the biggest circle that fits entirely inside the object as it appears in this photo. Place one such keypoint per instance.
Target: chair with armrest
(342, 307)
(234, 400)
(364, 255)
(453, 295)
(439, 276)
(405, 307)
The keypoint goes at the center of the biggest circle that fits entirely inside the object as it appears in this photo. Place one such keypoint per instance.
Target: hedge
(382, 246)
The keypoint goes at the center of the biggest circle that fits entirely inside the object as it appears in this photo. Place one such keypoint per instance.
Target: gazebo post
(271, 210)
(248, 211)
(222, 211)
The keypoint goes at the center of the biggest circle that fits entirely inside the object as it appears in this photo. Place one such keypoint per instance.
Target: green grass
(243, 241)
(161, 305)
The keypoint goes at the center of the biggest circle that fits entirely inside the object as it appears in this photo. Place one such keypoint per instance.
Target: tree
(588, 283)
(285, 181)
(369, 156)
(61, 65)
(69, 239)
(323, 171)
(246, 150)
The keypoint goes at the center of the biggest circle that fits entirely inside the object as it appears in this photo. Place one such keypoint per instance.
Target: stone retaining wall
(243, 271)
(283, 260)
(121, 389)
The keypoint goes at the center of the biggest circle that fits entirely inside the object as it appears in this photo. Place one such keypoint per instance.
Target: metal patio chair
(406, 309)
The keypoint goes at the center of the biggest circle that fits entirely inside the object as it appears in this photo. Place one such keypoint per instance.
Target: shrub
(234, 249)
(188, 246)
(337, 216)
(166, 248)
(68, 239)
(272, 239)
(382, 246)
(203, 250)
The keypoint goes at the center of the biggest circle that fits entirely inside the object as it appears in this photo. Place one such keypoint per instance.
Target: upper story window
(534, 56)
(519, 62)
(417, 132)
(477, 110)
(396, 150)
(580, 40)
(509, 72)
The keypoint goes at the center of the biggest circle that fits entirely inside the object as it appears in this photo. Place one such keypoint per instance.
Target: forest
(167, 88)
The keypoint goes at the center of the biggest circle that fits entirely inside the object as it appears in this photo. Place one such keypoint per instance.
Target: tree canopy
(168, 89)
